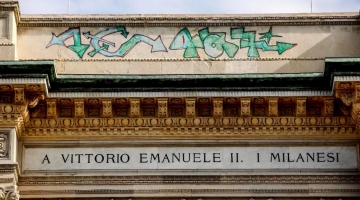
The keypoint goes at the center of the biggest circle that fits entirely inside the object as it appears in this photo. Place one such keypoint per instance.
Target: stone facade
(179, 107)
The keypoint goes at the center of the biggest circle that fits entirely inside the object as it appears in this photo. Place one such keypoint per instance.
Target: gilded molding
(178, 128)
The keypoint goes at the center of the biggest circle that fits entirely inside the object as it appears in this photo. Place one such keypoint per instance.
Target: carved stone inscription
(189, 158)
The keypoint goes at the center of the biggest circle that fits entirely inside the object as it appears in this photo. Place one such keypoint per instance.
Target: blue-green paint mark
(247, 40)
(268, 35)
(183, 40)
(157, 44)
(78, 48)
(214, 44)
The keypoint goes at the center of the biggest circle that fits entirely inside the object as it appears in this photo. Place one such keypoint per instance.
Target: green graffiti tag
(214, 44)
(78, 48)
(125, 48)
(183, 40)
(247, 40)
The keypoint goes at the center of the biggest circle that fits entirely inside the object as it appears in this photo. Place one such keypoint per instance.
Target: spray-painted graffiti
(214, 44)
(78, 48)
(247, 40)
(95, 40)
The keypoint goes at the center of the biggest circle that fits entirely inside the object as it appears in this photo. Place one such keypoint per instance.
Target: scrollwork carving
(345, 97)
(33, 100)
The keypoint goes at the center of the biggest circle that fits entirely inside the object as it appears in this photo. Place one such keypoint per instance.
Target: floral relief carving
(329, 107)
(79, 108)
(19, 95)
(107, 108)
(162, 107)
(273, 107)
(51, 108)
(245, 107)
(190, 107)
(218, 107)
(134, 107)
(301, 107)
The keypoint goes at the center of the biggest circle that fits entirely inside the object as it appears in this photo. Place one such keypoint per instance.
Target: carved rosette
(190, 107)
(162, 107)
(218, 107)
(301, 107)
(273, 107)
(134, 107)
(106, 108)
(245, 107)
(79, 108)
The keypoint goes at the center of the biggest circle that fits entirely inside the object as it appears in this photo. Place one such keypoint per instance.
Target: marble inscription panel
(188, 158)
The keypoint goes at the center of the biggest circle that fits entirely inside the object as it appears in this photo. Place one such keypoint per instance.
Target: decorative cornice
(178, 128)
(164, 83)
(352, 178)
(219, 192)
(109, 59)
(188, 20)
(8, 5)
